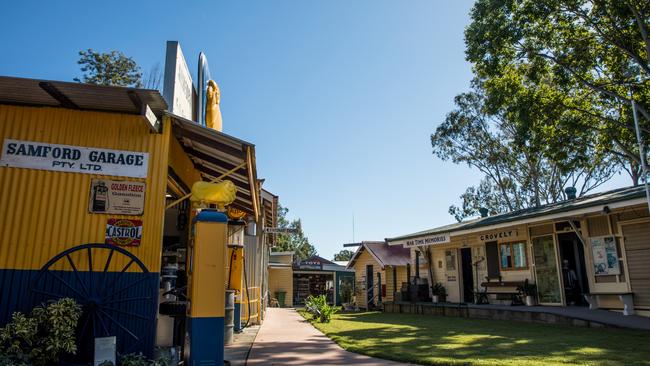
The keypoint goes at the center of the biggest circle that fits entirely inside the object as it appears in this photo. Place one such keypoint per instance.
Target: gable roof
(383, 254)
(588, 203)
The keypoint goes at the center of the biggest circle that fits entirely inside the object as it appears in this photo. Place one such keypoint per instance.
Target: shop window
(513, 255)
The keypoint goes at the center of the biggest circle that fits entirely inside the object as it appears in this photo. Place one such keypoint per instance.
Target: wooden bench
(627, 298)
(509, 288)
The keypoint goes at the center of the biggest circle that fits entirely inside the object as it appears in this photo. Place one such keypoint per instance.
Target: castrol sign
(124, 232)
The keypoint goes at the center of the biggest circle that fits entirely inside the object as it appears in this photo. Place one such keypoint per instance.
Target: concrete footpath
(286, 338)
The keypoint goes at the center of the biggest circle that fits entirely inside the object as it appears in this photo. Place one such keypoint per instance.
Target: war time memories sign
(73, 159)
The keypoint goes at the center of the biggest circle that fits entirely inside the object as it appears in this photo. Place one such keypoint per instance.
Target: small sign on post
(280, 230)
(105, 348)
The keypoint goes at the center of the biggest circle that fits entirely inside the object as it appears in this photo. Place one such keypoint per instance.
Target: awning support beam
(55, 93)
(217, 179)
(575, 230)
(253, 184)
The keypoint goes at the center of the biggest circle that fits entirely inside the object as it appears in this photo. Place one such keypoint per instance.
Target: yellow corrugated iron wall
(44, 212)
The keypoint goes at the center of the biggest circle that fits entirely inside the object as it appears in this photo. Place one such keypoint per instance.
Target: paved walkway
(286, 338)
(237, 352)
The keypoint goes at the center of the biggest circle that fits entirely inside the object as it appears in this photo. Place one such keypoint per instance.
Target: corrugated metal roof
(587, 201)
(214, 153)
(383, 253)
(72, 95)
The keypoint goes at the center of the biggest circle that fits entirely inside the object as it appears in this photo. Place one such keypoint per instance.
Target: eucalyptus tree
(510, 148)
(588, 57)
(297, 243)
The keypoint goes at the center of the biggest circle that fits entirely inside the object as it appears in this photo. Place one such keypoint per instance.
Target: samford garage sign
(74, 159)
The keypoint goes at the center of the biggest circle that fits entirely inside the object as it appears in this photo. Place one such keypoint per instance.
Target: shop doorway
(370, 291)
(312, 283)
(468, 278)
(546, 271)
(573, 269)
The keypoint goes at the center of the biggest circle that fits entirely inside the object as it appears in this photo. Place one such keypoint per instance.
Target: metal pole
(379, 288)
(641, 150)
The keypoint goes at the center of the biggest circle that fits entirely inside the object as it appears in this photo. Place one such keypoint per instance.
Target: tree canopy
(520, 169)
(343, 255)
(585, 59)
(550, 105)
(298, 242)
(112, 68)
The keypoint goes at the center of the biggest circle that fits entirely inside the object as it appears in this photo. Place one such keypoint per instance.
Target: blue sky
(339, 97)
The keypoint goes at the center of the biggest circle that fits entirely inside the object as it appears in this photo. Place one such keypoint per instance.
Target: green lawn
(432, 340)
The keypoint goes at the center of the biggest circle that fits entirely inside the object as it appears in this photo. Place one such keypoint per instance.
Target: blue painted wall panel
(129, 302)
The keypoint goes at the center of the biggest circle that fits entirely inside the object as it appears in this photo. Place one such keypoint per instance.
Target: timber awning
(88, 97)
(214, 154)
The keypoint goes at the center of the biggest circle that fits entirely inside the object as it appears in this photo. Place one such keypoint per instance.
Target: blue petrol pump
(206, 289)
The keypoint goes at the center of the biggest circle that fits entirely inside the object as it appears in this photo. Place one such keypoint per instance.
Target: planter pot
(436, 299)
(530, 300)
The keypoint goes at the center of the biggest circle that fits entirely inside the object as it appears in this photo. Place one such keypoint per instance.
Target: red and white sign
(124, 232)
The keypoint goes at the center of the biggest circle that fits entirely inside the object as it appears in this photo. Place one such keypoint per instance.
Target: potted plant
(529, 292)
(439, 292)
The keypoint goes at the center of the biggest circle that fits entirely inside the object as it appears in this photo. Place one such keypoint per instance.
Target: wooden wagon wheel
(118, 304)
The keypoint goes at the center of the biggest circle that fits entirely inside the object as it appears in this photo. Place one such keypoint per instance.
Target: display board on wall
(116, 197)
(74, 159)
(605, 255)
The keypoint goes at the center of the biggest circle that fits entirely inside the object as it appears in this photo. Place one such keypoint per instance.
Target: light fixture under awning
(214, 154)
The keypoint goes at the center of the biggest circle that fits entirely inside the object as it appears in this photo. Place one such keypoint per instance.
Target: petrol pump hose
(232, 256)
(248, 298)
(248, 303)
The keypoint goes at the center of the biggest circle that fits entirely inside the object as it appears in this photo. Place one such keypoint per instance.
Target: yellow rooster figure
(212, 110)
(221, 194)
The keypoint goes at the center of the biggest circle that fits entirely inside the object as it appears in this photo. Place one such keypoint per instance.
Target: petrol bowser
(236, 273)
(206, 288)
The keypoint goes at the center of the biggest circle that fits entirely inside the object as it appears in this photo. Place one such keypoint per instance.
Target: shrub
(40, 338)
(320, 310)
(138, 359)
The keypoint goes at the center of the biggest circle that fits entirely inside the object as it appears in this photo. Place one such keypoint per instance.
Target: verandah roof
(214, 153)
(589, 203)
